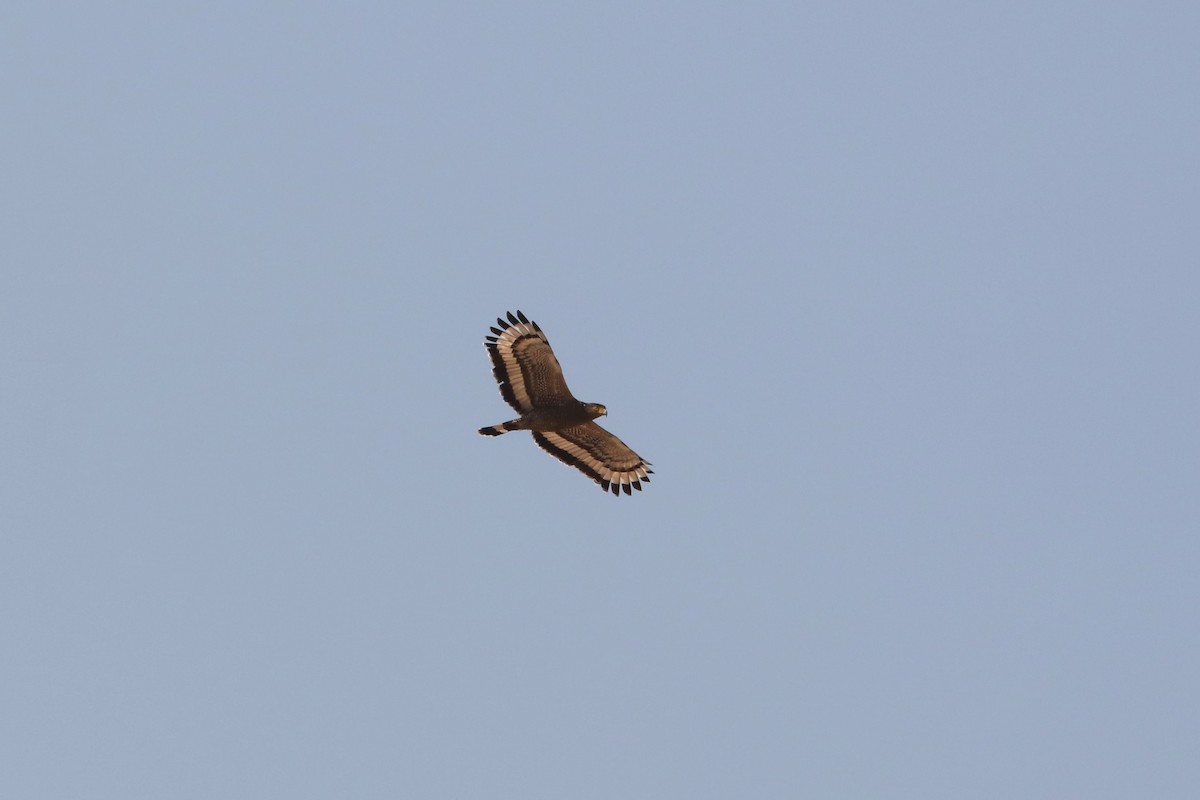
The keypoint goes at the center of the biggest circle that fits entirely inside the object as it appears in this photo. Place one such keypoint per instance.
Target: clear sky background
(901, 299)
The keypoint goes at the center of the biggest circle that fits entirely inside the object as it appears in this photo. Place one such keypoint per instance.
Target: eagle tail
(503, 427)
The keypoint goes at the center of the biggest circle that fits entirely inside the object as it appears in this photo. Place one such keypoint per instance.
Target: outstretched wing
(598, 454)
(525, 366)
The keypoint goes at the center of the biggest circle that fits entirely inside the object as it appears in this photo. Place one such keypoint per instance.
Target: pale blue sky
(900, 299)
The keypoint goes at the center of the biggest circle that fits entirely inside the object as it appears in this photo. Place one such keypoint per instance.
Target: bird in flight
(531, 381)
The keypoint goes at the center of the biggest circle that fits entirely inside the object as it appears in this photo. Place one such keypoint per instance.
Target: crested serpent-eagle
(531, 381)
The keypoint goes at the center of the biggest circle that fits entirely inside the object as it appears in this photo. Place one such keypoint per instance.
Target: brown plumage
(531, 381)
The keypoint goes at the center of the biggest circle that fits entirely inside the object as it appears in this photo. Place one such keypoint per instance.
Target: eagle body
(531, 381)
(549, 418)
